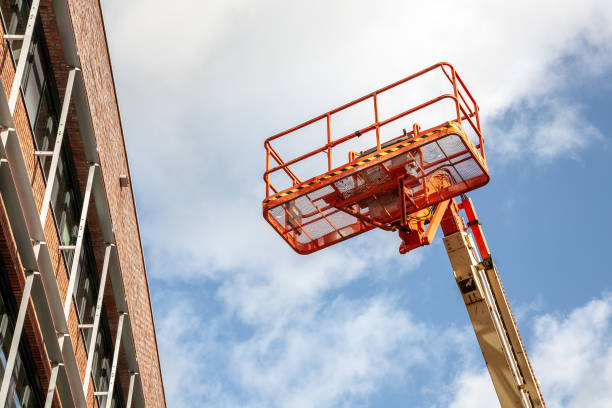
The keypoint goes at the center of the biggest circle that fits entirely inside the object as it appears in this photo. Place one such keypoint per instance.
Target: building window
(45, 128)
(33, 78)
(25, 390)
(41, 101)
(15, 15)
(65, 206)
(103, 359)
(85, 296)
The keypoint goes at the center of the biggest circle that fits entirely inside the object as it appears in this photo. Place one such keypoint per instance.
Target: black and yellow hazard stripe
(352, 166)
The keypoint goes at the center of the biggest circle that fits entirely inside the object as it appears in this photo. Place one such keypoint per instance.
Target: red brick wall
(97, 73)
(11, 259)
(105, 116)
(33, 167)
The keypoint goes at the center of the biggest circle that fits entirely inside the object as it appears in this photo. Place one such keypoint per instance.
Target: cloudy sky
(245, 322)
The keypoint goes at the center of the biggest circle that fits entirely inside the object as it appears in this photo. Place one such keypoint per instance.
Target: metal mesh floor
(365, 193)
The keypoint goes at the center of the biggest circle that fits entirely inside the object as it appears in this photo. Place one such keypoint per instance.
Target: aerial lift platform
(409, 181)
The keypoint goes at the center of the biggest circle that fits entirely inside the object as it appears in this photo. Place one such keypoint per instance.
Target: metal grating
(341, 203)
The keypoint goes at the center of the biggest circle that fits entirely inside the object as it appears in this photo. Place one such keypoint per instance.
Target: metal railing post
(329, 148)
(456, 93)
(376, 121)
(267, 175)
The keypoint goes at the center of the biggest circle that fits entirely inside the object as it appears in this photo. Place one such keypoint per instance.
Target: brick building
(76, 325)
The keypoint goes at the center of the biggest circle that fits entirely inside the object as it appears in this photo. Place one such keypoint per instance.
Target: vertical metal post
(52, 382)
(267, 169)
(111, 384)
(79, 242)
(58, 147)
(329, 148)
(480, 140)
(376, 120)
(96, 322)
(130, 395)
(10, 361)
(456, 94)
(23, 56)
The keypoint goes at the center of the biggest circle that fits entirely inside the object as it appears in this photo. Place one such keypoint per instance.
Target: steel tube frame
(59, 138)
(23, 56)
(130, 395)
(79, 242)
(96, 322)
(13, 37)
(52, 384)
(457, 95)
(25, 222)
(10, 362)
(354, 135)
(34, 254)
(29, 230)
(356, 101)
(111, 383)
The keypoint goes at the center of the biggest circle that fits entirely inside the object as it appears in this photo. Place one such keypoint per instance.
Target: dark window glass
(25, 389)
(33, 79)
(101, 365)
(85, 295)
(15, 15)
(41, 101)
(65, 206)
(45, 129)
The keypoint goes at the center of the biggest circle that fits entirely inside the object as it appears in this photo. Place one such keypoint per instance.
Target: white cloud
(202, 84)
(340, 353)
(548, 130)
(571, 356)
(186, 378)
(473, 390)
(330, 357)
(219, 77)
(331, 354)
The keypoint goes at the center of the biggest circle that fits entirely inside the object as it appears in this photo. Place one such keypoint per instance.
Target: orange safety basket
(402, 177)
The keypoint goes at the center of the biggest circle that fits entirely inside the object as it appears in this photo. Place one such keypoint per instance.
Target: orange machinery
(404, 181)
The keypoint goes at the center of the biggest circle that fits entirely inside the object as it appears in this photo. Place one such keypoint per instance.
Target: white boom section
(494, 325)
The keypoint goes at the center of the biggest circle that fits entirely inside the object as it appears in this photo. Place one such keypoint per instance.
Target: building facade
(76, 324)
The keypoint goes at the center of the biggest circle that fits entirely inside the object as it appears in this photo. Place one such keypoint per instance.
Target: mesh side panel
(304, 205)
(279, 215)
(342, 220)
(432, 153)
(468, 169)
(317, 229)
(450, 144)
(323, 191)
(432, 172)
(362, 181)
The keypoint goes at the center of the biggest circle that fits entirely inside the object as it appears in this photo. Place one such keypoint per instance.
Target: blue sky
(243, 321)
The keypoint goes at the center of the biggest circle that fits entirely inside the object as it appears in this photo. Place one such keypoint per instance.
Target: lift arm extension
(491, 316)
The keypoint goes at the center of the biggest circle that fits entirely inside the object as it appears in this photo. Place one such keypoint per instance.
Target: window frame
(39, 43)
